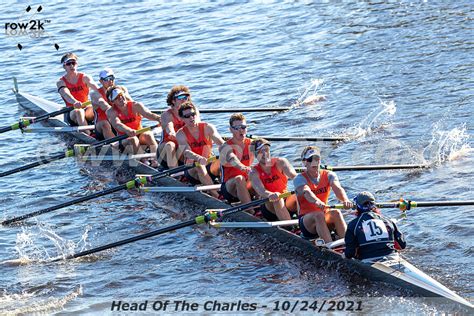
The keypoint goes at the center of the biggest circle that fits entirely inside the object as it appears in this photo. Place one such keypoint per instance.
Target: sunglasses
(109, 78)
(69, 63)
(192, 114)
(182, 97)
(310, 159)
(239, 127)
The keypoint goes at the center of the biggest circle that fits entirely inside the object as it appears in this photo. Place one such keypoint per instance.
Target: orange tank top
(321, 191)
(101, 116)
(79, 90)
(275, 181)
(177, 124)
(132, 120)
(229, 172)
(202, 145)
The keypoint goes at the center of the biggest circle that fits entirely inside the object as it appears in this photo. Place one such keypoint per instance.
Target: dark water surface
(398, 81)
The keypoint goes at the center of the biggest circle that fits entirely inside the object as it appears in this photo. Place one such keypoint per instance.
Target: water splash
(30, 240)
(311, 94)
(371, 123)
(447, 145)
(15, 304)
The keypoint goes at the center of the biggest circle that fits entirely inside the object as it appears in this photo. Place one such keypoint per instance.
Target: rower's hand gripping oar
(78, 150)
(22, 123)
(134, 183)
(202, 219)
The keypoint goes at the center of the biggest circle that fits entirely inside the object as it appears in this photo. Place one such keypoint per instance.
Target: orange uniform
(229, 172)
(321, 191)
(101, 116)
(132, 120)
(275, 181)
(177, 123)
(202, 145)
(79, 90)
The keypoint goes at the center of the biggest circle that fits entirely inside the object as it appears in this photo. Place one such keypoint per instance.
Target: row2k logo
(31, 26)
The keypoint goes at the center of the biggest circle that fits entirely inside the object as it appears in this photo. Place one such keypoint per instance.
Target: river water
(398, 82)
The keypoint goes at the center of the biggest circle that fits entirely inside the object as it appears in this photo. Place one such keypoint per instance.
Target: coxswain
(103, 129)
(371, 236)
(269, 178)
(236, 157)
(74, 88)
(195, 141)
(126, 116)
(313, 187)
(171, 123)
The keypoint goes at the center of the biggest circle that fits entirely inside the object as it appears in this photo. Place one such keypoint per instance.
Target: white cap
(69, 59)
(115, 93)
(106, 73)
(310, 151)
(177, 94)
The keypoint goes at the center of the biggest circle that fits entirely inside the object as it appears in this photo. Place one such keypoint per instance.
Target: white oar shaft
(254, 224)
(58, 129)
(182, 189)
(116, 157)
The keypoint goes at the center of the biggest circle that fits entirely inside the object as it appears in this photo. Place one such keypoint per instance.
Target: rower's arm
(65, 93)
(257, 184)
(228, 157)
(99, 102)
(398, 236)
(116, 123)
(167, 124)
(215, 136)
(145, 112)
(184, 149)
(93, 86)
(351, 243)
(287, 168)
(340, 192)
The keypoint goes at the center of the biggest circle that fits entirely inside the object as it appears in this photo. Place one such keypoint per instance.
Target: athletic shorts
(304, 232)
(229, 197)
(194, 181)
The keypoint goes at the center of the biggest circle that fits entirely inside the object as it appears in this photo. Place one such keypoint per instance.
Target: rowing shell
(399, 272)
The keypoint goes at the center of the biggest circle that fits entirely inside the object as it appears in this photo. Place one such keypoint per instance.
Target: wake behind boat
(394, 270)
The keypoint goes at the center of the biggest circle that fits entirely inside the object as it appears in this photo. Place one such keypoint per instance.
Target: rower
(313, 187)
(74, 89)
(103, 129)
(126, 116)
(236, 158)
(171, 123)
(195, 141)
(371, 236)
(269, 178)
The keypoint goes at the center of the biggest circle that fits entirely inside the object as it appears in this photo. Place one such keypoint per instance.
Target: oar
(368, 167)
(27, 122)
(290, 222)
(297, 139)
(134, 183)
(71, 152)
(405, 205)
(182, 189)
(68, 129)
(234, 110)
(207, 217)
